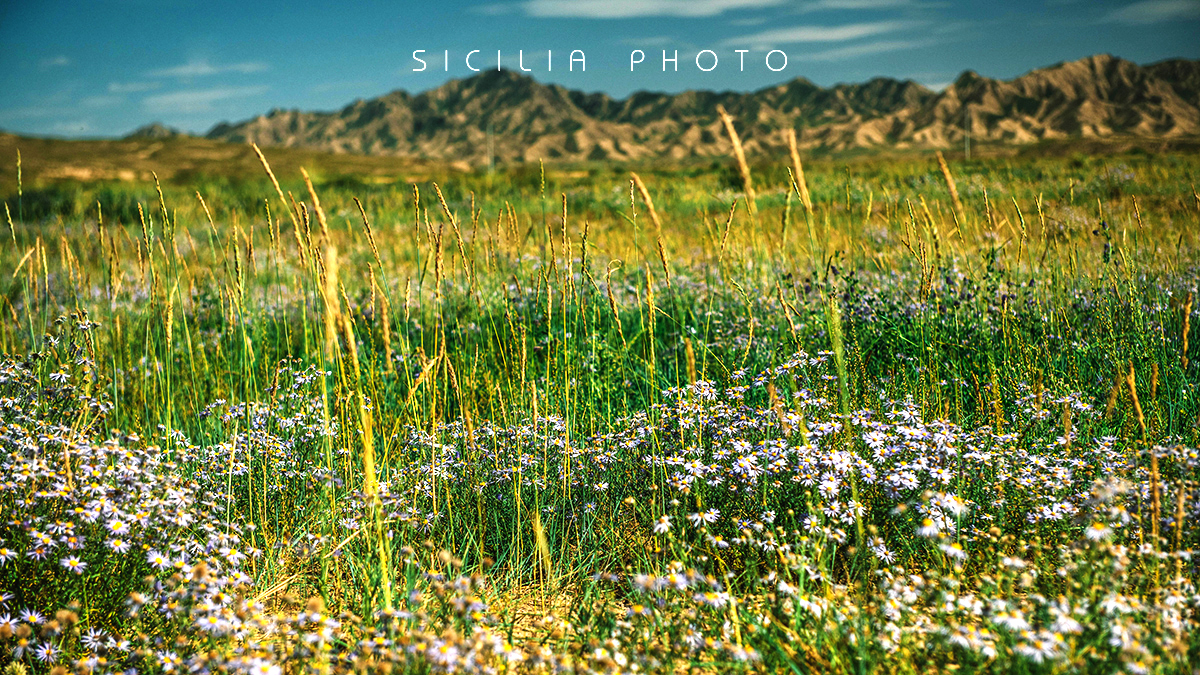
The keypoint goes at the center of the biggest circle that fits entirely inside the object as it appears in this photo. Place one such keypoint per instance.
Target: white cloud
(647, 42)
(196, 100)
(1155, 11)
(55, 62)
(856, 4)
(856, 51)
(131, 87)
(624, 9)
(202, 67)
(795, 34)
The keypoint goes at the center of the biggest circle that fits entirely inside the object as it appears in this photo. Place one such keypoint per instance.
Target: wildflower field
(874, 415)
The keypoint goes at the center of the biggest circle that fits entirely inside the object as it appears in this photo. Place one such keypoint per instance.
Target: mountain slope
(514, 117)
(154, 130)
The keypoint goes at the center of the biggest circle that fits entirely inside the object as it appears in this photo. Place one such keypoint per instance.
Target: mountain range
(509, 116)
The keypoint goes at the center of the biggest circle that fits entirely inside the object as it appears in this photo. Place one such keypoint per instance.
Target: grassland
(528, 422)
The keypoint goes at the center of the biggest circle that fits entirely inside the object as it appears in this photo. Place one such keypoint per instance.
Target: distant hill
(1096, 97)
(187, 159)
(155, 130)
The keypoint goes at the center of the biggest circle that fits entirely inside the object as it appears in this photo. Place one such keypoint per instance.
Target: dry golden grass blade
(12, 231)
(1131, 384)
(370, 235)
(662, 253)
(1187, 325)
(312, 193)
(543, 546)
(426, 373)
(271, 174)
(739, 155)
(21, 264)
(958, 207)
(329, 296)
(798, 169)
(641, 187)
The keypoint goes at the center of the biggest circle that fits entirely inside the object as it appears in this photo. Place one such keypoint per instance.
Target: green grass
(545, 360)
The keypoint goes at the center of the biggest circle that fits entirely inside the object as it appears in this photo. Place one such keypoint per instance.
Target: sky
(101, 68)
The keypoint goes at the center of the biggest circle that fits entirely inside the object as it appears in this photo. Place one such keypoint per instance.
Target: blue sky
(101, 68)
